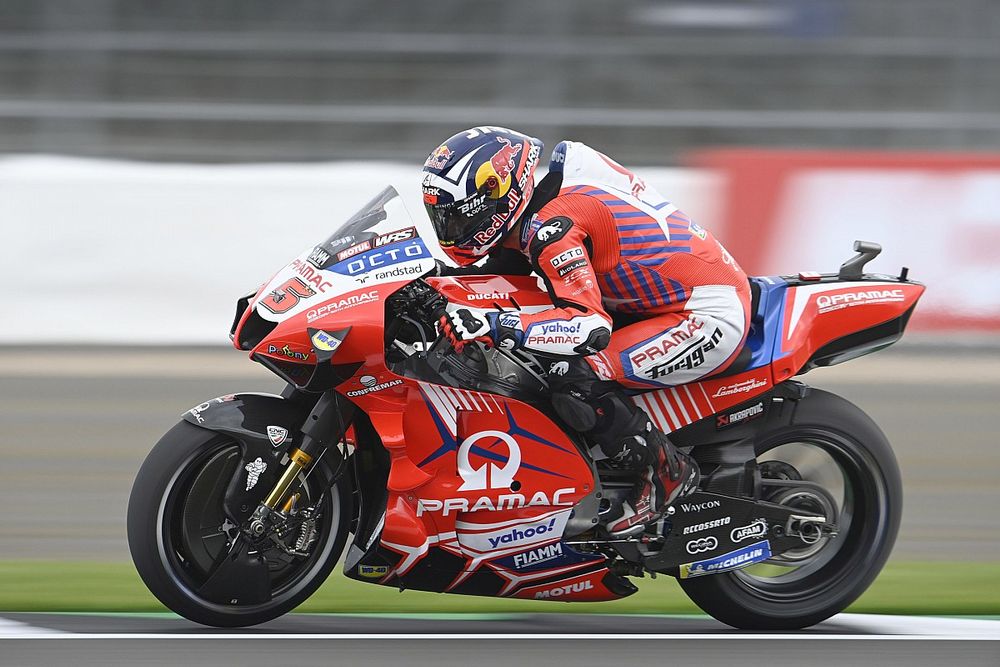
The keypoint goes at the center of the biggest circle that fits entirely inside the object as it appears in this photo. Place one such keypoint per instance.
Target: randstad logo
(489, 475)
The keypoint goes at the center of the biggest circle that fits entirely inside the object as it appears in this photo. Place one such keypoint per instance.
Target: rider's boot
(669, 474)
(628, 437)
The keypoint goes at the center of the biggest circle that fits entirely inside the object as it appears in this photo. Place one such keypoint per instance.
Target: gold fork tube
(299, 462)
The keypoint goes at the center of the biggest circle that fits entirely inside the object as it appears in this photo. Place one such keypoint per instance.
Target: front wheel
(182, 542)
(834, 445)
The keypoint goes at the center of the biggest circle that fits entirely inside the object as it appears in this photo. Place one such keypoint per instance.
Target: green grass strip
(903, 588)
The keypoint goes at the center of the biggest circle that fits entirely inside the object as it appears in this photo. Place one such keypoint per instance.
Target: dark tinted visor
(456, 222)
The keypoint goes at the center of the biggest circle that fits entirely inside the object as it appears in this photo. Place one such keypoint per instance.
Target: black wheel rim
(193, 490)
(862, 522)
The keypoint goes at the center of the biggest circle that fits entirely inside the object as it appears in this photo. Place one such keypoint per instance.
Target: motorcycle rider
(603, 241)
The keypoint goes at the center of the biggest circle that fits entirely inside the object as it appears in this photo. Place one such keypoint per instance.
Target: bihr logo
(489, 475)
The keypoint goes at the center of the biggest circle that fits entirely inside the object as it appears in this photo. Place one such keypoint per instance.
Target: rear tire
(168, 567)
(872, 492)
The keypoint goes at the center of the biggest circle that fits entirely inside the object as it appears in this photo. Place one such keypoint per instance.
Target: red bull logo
(439, 157)
(503, 160)
(495, 174)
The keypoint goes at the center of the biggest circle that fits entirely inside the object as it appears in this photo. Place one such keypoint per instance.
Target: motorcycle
(450, 472)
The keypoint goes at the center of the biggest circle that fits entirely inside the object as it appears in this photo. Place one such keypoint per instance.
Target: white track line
(15, 630)
(962, 628)
(891, 628)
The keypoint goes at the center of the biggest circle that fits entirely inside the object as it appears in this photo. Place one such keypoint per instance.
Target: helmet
(476, 186)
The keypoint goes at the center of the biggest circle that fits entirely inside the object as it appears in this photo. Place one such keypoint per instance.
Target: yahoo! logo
(559, 327)
(520, 534)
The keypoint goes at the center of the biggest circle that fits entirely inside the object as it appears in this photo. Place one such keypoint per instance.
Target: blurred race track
(84, 419)
(531, 639)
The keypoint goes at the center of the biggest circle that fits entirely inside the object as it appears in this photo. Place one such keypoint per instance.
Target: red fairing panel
(588, 587)
(815, 315)
(676, 407)
(483, 291)
(484, 478)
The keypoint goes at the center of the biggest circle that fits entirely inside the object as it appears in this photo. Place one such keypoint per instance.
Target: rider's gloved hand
(501, 328)
(463, 326)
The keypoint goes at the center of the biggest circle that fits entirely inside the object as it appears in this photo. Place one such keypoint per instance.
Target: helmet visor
(455, 223)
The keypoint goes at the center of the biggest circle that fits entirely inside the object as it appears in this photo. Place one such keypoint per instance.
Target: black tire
(172, 463)
(869, 468)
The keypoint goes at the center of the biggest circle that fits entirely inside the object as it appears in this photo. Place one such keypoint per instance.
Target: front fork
(323, 428)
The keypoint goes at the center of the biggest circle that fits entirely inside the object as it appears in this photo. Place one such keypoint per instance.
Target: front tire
(178, 493)
(810, 586)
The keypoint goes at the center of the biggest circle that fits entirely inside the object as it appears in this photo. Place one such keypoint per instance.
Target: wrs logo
(489, 475)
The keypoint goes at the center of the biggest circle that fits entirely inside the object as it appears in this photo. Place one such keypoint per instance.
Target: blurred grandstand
(246, 80)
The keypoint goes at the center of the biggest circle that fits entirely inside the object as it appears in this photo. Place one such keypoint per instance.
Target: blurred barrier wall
(938, 214)
(118, 252)
(137, 253)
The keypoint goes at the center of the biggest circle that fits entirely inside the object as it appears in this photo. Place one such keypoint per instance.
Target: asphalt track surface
(535, 639)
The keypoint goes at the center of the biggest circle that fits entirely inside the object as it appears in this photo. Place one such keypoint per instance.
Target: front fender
(266, 427)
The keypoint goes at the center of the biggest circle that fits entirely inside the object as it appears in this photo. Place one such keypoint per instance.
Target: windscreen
(378, 244)
(357, 229)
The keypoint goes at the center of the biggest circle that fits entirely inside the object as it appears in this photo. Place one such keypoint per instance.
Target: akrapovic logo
(740, 416)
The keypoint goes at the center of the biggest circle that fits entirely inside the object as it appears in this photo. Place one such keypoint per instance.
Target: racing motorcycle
(449, 471)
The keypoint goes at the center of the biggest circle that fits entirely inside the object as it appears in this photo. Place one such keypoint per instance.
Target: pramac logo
(490, 475)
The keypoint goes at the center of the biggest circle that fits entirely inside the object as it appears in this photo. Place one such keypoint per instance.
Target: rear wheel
(181, 539)
(849, 474)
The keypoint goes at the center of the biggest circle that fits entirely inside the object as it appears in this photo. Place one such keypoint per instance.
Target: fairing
(340, 283)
